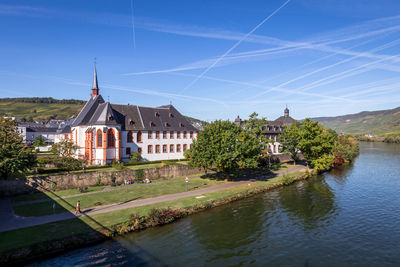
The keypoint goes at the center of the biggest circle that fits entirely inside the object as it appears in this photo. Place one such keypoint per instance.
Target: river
(348, 217)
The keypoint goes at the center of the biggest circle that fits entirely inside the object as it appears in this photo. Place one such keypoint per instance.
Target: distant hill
(33, 108)
(46, 108)
(380, 122)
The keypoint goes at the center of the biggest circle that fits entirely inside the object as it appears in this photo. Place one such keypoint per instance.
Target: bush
(136, 157)
(287, 179)
(69, 164)
(118, 165)
(82, 189)
(139, 175)
(98, 181)
(112, 179)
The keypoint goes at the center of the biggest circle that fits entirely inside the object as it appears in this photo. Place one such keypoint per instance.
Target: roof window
(131, 122)
(171, 115)
(181, 124)
(152, 124)
(157, 114)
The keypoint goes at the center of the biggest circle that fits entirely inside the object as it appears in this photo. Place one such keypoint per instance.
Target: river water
(348, 217)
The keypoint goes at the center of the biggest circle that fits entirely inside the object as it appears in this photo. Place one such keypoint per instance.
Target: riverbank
(47, 239)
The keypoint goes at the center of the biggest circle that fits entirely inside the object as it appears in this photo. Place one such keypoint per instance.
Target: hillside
(40, 108)
(380, 122)
(49, 108)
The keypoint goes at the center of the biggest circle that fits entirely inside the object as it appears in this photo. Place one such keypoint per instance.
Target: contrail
(234, 46)
(133, 26)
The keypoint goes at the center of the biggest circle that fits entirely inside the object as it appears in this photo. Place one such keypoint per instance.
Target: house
(106, 132)
(29, 131)
(273, 129)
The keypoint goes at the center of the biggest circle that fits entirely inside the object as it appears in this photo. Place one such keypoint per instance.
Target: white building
(106, 132)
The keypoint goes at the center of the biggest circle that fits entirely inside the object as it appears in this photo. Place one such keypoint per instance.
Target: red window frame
(184, 147)
(191, 134)
(171, 150)
(164, 134)
(164, 149)
(149, 149)
(157, 149)
(99, 141)
(171, 135)
(139, 137)
(178, 134)
(184, 134)
(157, 134)
(178, 148)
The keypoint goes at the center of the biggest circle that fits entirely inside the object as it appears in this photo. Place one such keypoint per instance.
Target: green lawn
(52, 194)
(111, 197)
(58, 230)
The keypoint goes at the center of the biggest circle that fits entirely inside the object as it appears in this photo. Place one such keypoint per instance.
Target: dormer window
(171, 115)
(131, 122)
(167, 124)
(157, 114)
(110, 118)
(152, 124)
(181, 124)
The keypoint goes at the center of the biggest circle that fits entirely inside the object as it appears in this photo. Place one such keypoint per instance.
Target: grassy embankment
(127, 194)
(106, 222)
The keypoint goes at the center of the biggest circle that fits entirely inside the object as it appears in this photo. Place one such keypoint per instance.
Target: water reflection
(309, 203)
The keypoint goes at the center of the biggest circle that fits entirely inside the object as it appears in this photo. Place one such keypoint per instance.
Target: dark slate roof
(41, 129)
(283, 120)
(88, 110)
(103, 115)
(64, 130)
(129, 117)
(163, 118)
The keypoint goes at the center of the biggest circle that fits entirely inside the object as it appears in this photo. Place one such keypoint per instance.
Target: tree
(39, 141)
(136, 156)
(290, 139)
(65, 148)
(316, 144)
(224, 146)
(15, 157)
(256, 126)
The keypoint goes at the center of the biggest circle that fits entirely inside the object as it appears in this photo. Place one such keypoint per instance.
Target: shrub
(98, 182)
(118, 165)
(53, 185)
(69, 164)
(136, 157)
(139, 174)
(112, 179)
(287, 179)
(82, 189)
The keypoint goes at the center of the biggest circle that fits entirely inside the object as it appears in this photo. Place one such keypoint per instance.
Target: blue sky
(212, 59)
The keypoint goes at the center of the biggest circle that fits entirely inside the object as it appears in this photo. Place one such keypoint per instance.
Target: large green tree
(224, 146)
(290, 139)
(317, 144)
(15, 157)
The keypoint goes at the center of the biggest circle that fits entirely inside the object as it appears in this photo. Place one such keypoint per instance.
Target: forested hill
(33, 108)
(380, 122)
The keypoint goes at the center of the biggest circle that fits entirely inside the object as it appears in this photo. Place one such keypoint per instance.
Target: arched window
(110, 138)
(139, 137)
(99, 140)
(129, 137)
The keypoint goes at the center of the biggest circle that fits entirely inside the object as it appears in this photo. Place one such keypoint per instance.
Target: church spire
(95, 88)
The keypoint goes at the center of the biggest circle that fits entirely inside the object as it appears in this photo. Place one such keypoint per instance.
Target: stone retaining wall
(60, 182)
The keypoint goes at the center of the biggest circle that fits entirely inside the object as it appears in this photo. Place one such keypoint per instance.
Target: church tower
(95, 87)
(286, 112)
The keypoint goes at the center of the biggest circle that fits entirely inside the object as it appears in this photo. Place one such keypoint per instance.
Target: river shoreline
(52, 248)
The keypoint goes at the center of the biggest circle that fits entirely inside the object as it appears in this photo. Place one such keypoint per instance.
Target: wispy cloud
(23, 10)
